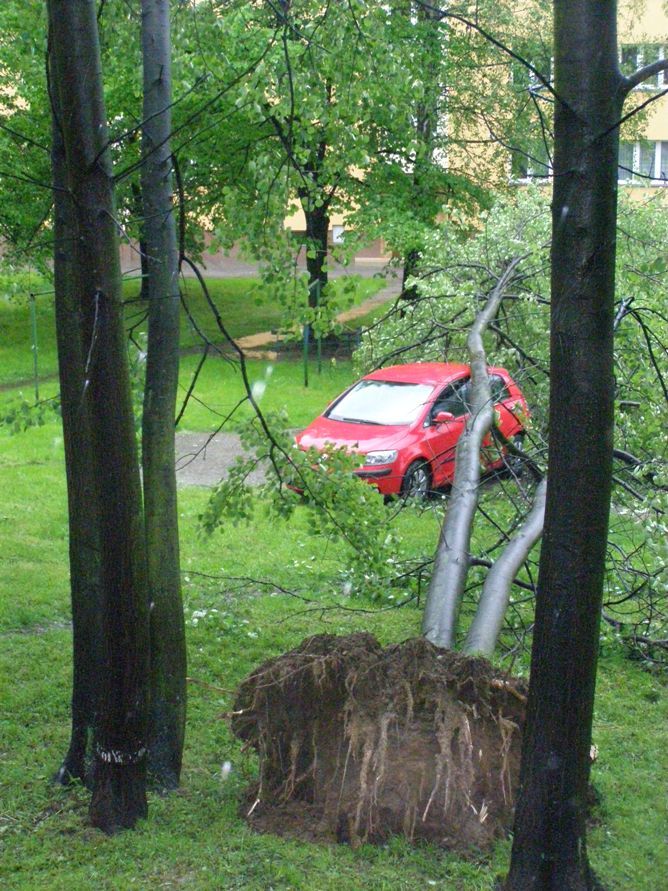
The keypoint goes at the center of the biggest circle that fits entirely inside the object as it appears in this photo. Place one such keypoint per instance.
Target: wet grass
(196, 838)
(244, 306)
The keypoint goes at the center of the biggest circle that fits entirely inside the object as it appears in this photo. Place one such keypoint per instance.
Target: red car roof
(432, 373)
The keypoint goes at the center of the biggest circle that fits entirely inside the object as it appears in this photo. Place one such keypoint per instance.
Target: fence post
(33, 326)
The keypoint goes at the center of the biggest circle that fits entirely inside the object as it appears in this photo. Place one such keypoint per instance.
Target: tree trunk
(138, 210)
(549, 847)
(488, 620)
(317, 231)
(168, 648)
(84, 539)
(451, 564)
(119, 789)
(426, 122)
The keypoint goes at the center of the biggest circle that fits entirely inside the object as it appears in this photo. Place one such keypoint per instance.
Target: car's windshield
(381, 402)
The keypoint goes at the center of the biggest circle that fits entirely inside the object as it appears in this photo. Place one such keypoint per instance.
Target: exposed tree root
(357, 742)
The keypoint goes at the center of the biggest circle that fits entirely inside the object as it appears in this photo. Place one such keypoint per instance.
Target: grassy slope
(244, 307)
(195, 838)
(220, 387)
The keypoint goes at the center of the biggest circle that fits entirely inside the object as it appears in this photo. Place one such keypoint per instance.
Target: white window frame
(660, 80)
(640, 181)
(539, 175)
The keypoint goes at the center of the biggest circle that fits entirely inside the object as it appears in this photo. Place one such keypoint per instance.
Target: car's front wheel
(515, 463)
(417, 480)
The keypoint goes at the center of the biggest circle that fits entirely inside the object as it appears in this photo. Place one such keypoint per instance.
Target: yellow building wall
(642, 21)
(639, 22)
(646, 21)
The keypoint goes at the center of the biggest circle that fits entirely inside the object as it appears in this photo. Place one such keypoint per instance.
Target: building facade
(643, 162)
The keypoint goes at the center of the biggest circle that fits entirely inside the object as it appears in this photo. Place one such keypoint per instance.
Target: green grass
(281, 388)
(195, 838)
(16, 353)
(244, 306)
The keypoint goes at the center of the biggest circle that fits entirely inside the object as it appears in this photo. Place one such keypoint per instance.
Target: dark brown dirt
(357, 743)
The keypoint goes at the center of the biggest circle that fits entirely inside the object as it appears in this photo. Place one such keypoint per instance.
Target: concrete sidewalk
(231, 266)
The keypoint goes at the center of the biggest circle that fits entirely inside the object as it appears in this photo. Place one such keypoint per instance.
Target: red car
(406, 421)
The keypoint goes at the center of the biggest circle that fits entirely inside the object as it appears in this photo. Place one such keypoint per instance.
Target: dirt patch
(358, 742)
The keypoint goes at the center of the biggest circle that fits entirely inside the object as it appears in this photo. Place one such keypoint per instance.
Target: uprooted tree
(451, 565)
(358, 742)
(513, 304)
(409, 739)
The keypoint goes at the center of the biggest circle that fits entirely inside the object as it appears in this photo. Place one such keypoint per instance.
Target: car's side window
(498, 387)
(453, 399)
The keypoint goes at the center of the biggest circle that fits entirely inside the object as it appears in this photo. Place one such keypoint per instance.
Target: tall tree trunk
(549, 847)
(119, 768)
(168, 649)
(426, 121)
(138, 211)
(317, 231)
(84, 539)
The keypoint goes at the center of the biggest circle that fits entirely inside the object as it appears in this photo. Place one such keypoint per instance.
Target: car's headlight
(380, 458)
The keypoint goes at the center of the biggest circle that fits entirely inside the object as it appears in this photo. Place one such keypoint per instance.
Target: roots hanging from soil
(357, 743)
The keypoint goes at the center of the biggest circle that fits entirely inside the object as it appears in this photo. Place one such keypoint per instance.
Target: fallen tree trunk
(488, 621)
(452, 555)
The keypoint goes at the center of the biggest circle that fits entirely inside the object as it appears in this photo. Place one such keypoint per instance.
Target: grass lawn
(277, 385)
(195, 838)
(244, 307)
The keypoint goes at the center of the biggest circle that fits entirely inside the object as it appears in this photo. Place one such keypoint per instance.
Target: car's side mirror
(442, 417)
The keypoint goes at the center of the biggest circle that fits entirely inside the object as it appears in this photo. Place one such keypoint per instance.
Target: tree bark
(168, 648)
(317, 231)
(549, 847)
(84, 538)
(488, 620)
(119, 795)
(426, 122)
(439, 624)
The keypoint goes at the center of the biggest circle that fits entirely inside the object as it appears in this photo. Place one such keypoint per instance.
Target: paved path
(201, 461)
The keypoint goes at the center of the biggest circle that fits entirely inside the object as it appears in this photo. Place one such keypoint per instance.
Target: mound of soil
(358, 742)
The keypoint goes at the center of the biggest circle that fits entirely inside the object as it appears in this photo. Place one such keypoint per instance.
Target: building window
(625, 169)
(531, 161)
(531, 145)
(643, 163)
(637, 55)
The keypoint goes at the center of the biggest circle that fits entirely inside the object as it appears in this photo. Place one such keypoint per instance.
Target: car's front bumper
(386, 479)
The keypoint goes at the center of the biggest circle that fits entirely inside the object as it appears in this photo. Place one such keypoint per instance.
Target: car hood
(354, 437)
